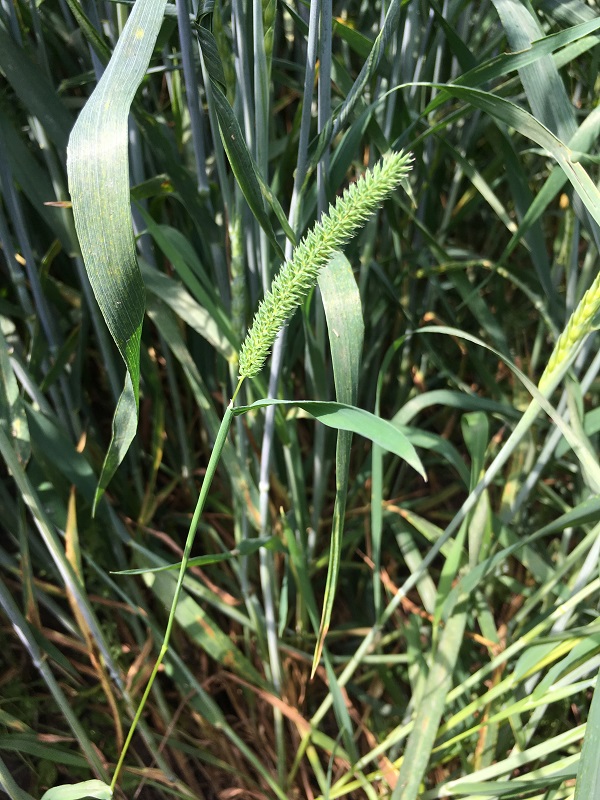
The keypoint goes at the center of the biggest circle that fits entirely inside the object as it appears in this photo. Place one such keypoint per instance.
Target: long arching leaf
(98, 171)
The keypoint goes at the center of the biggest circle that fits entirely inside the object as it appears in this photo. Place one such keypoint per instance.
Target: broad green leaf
(123, 430)
(475, 429)
(243, 167)
(210, 53)
(429, 712)
(476, 433)
(377, 487)
(98, 169)
(571, 12)
(343, 311)
(508, 62)
(349, 418)
(79, 791)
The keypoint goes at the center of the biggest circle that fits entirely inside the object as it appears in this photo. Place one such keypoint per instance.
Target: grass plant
(177, 183)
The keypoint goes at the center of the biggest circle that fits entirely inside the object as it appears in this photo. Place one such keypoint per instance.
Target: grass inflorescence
(581, 322)
(299, 274)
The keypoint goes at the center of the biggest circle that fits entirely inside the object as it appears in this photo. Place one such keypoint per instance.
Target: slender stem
(210, 471)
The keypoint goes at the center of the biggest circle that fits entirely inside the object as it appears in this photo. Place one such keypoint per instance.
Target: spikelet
(298, 275)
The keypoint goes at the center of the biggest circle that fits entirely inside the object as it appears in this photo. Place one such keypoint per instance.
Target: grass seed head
(299, 274)
(583, 320)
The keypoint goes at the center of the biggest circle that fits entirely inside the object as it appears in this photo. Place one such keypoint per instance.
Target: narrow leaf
(12, 410)
(588, 777)
(33, 89)
(245, 170)
(247, 547)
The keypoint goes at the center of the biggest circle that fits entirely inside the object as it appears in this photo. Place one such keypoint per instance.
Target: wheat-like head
(299, 274)
(582, 321)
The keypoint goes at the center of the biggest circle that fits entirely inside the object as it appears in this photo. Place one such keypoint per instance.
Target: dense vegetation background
(464, 642)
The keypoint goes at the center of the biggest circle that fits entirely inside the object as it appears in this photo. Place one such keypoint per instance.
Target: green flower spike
(298, 275)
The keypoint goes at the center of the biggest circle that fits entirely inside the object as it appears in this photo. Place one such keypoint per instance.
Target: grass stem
(206, 483)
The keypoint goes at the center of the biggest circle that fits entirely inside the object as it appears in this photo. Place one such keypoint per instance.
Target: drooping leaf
(349, 418)
(98, 172)
(516, 117)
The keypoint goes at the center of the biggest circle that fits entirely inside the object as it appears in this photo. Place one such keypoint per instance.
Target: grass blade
(529, 126)
(349, 418)
(540, 79)
(242, 164)
(588, 775)
(98, 181)
(343, 311)
(34, 91)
